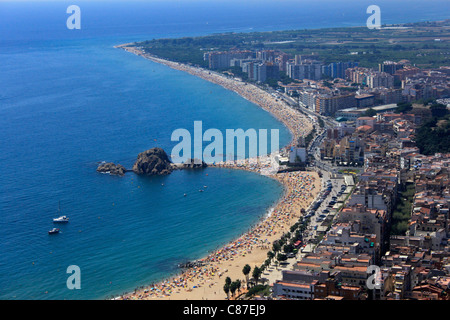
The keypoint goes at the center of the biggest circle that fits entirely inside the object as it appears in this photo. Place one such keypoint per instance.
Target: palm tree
(228, 281)
(226, 288)
(238, 285)
(256, 274)
(233, 287)
(276, 246)
(246, 271)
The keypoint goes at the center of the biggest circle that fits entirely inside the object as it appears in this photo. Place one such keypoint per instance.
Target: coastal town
(226, 159)
(365, 215)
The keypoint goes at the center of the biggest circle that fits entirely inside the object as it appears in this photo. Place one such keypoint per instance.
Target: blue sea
(69, 100)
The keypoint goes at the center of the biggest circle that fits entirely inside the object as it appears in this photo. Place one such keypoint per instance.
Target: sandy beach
(301, 188)
(298, 124)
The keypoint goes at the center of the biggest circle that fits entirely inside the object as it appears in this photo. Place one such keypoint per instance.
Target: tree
(276, 246)
(226, 288)
(233, 288)
(246, 271)
(281, 257)
(288, 248)
(238, 285)
(403, 107)
(434, 136)
(438, 110)
(370, 113)
(228, 281)
(256, 274)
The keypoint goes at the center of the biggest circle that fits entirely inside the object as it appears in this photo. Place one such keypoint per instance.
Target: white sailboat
(62, 218)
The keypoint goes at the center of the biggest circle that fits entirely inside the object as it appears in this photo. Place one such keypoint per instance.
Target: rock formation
(153, 162)
(193, 164)
(111, 168)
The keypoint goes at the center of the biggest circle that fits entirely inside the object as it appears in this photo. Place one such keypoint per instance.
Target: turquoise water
(69, 100)
(71, 106)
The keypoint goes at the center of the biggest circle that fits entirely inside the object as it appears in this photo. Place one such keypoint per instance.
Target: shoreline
(300, 188)
(289, 117)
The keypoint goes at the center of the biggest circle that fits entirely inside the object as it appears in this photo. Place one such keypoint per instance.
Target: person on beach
(300, 187)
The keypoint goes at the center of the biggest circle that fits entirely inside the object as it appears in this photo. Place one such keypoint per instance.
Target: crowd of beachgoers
(206, 279)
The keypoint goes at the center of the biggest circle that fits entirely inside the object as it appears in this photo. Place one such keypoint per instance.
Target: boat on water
(61, 218)
(53, 231)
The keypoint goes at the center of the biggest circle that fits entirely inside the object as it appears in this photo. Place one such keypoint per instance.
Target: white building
(297, 155)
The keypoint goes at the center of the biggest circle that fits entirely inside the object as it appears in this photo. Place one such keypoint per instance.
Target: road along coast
(206, 280)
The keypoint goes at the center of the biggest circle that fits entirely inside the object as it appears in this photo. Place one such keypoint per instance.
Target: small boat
(61, 219)
(53, 231)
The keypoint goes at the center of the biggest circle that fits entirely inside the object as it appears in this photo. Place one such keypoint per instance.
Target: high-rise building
(222, 59)
(408, 71)
(365, 100)
(272, 71)
(311, 71)
(388, 96)
(380, 79)
(328, 104)
(282, 60)
(261, 71)
(307, 97)
(390, 67)
(357, 74)
(337, 69)
(266, 55)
